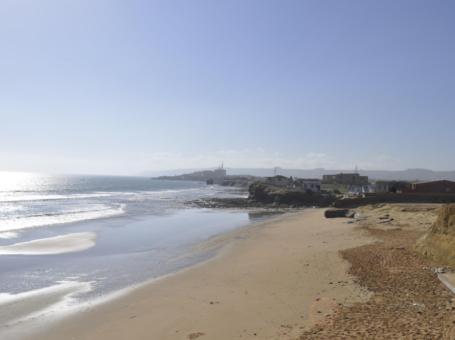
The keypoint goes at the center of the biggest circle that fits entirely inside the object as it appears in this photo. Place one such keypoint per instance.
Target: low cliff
(268, 194)
(439, 242)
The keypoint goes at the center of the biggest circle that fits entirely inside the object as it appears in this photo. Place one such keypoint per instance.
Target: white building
(219, 173)
(308, 184)
(357, 189)
(279, 181)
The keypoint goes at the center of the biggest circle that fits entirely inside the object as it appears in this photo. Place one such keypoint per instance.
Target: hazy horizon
(234, 171)
(118, 88)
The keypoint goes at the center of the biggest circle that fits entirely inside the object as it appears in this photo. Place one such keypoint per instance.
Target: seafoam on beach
(53, 245)
(34, 310)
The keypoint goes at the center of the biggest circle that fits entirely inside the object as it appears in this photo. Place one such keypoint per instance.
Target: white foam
(53, 245)
(9, 234)
(27, 312)
(24, 222)
(27, 198)
(9, 197)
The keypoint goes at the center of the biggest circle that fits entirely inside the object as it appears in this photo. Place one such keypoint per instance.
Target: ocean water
(29, 200)
(145, 229)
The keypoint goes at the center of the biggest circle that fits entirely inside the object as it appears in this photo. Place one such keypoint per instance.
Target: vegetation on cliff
(439, 242)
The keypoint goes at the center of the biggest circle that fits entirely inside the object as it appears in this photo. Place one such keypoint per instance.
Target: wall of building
(315, 187)
(432, 187)
(345, 179)
(278, 181)
(281, 182)
(219, 173)
(382, 187)
(391, 186)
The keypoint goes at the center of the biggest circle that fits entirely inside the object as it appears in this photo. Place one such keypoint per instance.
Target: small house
(278, 180)
(345, 179)
(367, 188)
(391, 186)
(308, 184)
(441, 186)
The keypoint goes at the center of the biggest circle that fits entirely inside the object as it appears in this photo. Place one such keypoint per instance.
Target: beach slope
(261, 285)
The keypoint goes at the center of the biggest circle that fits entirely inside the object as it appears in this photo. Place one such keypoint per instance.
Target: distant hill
(407, 175)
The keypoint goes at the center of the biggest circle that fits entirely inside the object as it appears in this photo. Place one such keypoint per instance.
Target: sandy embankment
(260, 286)
(52, 245)
(409, 301)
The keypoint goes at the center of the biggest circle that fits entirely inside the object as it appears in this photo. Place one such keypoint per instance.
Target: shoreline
(48, 304)
(263, 281)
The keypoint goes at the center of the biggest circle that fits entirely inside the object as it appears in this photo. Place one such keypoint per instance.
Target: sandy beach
(262, 285)
(297, 276)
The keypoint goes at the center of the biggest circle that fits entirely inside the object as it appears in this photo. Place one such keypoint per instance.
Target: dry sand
(261, 286)
(52, 245)
(409, 300)
(407, 216)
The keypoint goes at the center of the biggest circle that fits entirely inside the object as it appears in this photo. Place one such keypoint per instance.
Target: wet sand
(299, 276)
(32, 304)
(262, 285)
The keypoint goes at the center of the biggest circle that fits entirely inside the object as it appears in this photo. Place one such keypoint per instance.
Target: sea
(29, 200)
(145, 229)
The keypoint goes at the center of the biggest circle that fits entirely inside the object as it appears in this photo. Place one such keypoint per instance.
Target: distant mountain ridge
(406, 175)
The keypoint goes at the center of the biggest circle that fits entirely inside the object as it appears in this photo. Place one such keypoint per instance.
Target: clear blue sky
(118, 87)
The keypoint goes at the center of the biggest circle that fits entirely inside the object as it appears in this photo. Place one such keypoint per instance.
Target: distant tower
(356, 170)
(274, 172)
(222, 165)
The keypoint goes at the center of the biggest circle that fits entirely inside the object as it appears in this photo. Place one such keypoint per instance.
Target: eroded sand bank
(262, 285)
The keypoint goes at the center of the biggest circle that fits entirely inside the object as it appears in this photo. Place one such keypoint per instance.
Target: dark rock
(238, 182)
(333, 213)
(278, 196)
(350, 214)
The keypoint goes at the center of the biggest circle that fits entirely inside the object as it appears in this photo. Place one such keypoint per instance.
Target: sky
(120, 87)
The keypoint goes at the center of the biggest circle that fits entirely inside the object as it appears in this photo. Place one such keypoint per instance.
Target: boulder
(439, 242)
(333, 213)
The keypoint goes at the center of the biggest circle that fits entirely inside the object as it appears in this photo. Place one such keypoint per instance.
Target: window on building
(279, 179)
(447, 189)
(312, 186)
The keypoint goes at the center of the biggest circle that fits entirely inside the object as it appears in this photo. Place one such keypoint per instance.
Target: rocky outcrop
(268, 194)
(236, 203)
(439, 242)
(237, 183)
